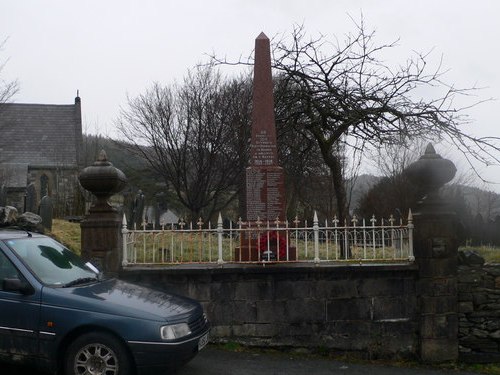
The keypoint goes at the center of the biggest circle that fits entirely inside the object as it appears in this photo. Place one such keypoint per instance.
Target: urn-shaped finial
(102, 179)
(431, 171)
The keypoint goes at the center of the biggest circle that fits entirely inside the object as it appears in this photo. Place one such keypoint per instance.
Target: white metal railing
(263, 242)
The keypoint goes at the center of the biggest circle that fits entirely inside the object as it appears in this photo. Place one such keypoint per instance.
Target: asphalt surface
(214, 361)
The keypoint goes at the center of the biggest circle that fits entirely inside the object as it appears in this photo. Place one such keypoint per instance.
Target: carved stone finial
(102, 179)
(431, 171)
(102, 156)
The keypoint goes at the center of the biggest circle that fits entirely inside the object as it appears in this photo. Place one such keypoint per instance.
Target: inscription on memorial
(263, 150)
(265, 193)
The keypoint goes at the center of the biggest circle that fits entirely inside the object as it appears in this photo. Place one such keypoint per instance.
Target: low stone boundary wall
(479, 313)
(368, 309)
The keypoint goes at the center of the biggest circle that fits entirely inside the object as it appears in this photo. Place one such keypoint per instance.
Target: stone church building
(40, 155)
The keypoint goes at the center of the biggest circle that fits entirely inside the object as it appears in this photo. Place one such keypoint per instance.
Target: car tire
(97, 353)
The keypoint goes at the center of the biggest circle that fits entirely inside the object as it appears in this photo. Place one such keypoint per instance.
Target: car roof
(10, 233)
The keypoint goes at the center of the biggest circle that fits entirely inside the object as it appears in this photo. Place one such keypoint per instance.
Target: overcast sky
(109, 49)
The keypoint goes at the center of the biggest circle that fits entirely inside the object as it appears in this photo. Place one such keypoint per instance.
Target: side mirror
(16, 285)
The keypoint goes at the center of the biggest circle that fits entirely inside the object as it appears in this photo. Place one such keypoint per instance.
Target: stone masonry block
(270, 311)
(438, 305)
(333, 289)
(220, 314)
(380, 287)
(442, 286)
(286, 289)
(200, 291)
(244, 312)
(305, 311)
(349, 309)
(434, 326)
(254, 291)
(387, 308)
(438, 350)
(255, 329)
(222, 291)
(465, 307)
(430, 267)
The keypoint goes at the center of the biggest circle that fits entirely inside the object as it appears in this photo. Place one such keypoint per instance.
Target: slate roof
(40, 134)
(14, 175)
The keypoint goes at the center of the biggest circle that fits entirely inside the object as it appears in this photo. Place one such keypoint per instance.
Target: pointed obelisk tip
(262, 36)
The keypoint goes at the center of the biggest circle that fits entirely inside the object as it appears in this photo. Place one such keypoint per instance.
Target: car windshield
(51, 262)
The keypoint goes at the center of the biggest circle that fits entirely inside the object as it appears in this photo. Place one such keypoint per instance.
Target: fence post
(220, 230)
(316, 238)
(124, 241)
(411, 257)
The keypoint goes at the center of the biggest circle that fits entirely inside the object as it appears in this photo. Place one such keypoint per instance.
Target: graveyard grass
(69, 234)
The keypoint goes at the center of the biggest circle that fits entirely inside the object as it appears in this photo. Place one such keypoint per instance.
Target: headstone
(265, 181)
(31, 198)
(46, 211)
(139, 209)
(157, 215)
(3, 196)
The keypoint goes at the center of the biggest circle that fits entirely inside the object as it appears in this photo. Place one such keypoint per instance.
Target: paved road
(212, 361)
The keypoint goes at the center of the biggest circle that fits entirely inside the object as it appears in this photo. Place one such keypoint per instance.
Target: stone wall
(370, 310)
(479, 313)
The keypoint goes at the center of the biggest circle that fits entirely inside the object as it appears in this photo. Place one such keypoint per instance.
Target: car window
(51, 262)
(7, 270)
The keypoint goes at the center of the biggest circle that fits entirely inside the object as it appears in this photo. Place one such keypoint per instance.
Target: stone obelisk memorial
(265, 181)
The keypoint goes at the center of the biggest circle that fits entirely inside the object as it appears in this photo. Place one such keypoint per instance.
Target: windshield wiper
(81, 280)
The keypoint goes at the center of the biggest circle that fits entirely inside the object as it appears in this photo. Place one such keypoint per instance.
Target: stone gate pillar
(101, 228)
(436, 249)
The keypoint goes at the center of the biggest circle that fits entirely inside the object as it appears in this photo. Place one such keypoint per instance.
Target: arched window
(44, 185)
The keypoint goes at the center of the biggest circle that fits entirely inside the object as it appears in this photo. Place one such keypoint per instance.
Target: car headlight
(174, 331)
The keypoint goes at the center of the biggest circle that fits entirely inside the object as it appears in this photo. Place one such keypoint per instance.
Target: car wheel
(97, 354)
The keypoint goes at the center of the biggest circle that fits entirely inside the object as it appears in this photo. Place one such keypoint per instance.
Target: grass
(67, 233)
(489, 253)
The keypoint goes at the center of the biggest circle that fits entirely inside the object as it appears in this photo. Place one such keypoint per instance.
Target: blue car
(58, 313)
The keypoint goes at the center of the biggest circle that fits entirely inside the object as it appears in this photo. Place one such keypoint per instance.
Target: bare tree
(343, 93)
(7, 88)
(191, 136)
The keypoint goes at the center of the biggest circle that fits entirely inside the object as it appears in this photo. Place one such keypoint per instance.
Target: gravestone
(265, 179)
(31, 198)
(3, 196)
(138, 211)
(46, 210)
